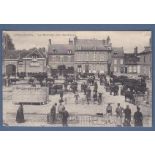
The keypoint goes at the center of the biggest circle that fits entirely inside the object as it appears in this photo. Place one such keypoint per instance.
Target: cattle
(114, 89)
(129, 95)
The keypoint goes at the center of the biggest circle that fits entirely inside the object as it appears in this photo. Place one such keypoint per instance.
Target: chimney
(136, 50)
(75, 40)
(70, 42)
(50, 42)
(49, 46)
(108, 40)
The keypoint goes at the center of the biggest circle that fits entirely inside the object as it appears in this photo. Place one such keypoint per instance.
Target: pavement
(81, 114)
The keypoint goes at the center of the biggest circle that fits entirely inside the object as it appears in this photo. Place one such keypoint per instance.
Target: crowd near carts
(86, 89)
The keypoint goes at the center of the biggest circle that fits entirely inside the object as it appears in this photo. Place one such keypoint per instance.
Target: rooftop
(117, 52)
(60, 49)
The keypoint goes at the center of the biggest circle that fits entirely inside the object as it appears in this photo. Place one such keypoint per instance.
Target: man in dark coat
(138, 118)
(61, 95)
(127, 113)
(53, 113)
(65, 116)
(20, 114)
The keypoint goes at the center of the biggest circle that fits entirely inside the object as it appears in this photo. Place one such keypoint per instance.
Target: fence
(75, 120)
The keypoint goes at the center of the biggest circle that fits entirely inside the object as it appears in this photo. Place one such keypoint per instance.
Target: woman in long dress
(20, 114)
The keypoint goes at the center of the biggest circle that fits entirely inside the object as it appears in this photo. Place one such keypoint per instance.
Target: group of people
(97, 96)
(137, 117)
(52, 117)
(62, 114)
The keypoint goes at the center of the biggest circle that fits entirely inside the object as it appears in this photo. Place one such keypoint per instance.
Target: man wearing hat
(138, 118)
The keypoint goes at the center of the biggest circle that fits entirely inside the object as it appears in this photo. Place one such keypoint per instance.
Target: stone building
(145, 62)
(117, 60)
(131, 62)
(26, 61)
(61, 57)
(92, 55)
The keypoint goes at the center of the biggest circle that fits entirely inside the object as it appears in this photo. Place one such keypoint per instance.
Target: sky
(126, 39)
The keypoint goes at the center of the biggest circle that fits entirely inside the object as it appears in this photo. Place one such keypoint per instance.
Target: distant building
(92, 55)
(61, 57)
(131, 62)
(27, 61)
(117, 60)
(145, 62)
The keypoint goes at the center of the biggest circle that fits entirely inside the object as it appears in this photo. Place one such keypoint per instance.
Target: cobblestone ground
(81, 114)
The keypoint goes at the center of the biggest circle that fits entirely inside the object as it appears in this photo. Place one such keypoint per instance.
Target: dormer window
(34, 58)
(54, 50)
(69, 51)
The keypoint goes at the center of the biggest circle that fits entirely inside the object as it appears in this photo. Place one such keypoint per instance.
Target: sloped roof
(60, 49)
(147, 50)
(117, 52)
(11, 54)
(19, 54)
(130, 59)
(91, 44)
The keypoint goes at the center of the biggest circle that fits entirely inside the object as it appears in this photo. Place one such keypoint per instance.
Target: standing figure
(20, 114)
(95, 86)
(99, 98)
(95, 96)
(109, 110)
(76, 97)
(119, 113)
(127, 113)
(65, 85)
(60, 110)
(65, 116)
(138, 118)
(53, 113)
(61, 96)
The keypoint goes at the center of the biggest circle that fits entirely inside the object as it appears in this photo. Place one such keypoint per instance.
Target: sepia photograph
(77, 78)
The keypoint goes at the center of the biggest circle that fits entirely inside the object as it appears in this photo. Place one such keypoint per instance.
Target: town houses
(79, 56)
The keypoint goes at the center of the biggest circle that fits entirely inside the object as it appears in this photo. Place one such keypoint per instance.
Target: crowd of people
(59, 114)
(92, 95)
(126, 120)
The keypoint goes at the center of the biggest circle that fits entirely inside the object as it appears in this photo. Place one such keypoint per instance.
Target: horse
(129, 95)
(114, 89)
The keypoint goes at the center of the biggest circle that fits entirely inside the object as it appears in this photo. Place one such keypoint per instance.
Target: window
(57, 58)
(69, 51)
(65, 58)
(144, 58)
(130, 69)
(121, 61)
(79, 68)
(61, 58)
(115, 61)
(69, 58)
(134, 69)
(115, 69)
(94, 56)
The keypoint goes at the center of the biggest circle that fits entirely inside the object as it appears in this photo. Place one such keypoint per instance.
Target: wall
(91, 60)
(56, 60)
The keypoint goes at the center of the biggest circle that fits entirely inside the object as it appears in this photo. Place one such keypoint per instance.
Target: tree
(7, 42)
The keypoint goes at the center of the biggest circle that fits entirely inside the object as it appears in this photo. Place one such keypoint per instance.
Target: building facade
(61, 57)
(117, 60)
(92, 55)
(145, 62)
(32, 61)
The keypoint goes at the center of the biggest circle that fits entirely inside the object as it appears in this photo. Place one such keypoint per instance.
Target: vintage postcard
(77, 78)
